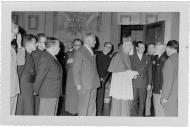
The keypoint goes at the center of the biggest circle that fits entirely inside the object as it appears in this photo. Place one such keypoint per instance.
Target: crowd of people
(138, 77)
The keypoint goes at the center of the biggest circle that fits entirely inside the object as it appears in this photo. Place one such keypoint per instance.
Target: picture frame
(151, 19)
(15, 18)
(125, 19)
(33, 22)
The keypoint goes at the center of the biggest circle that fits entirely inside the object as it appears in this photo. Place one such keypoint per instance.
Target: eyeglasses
(76, 45)
(108, 47)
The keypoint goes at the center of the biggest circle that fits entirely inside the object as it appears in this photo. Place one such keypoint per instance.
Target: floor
(106, 110)
(62, 112)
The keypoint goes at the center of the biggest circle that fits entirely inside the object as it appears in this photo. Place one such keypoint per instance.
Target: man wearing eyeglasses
(103, 61)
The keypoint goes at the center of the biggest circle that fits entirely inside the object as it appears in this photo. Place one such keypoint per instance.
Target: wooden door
(154, 32)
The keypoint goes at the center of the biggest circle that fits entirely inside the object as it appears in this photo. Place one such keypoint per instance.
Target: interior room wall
(105, 25)
(171, 21)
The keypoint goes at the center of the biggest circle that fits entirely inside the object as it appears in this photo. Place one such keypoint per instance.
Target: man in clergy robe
(86, 77)
(141, 63)
(26, 73)
(169, 95)
(48, 82)
(41, 39)
(103, 61)
(121, 89)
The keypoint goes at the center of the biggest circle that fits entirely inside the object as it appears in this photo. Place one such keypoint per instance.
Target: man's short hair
(107, 43)
(52, 38)
(28, 38)
(51, 41)
(77, 40)
(120, 44)
(89, 34)
(127, 37)
(173, 44)
(39, 35)
(140, 42)
(126, 34)
(150, 44)
(160, 44)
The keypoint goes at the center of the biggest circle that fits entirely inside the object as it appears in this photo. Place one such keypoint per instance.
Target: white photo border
(182, 7)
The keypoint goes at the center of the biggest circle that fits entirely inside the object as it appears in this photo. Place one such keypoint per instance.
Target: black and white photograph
(98, 65)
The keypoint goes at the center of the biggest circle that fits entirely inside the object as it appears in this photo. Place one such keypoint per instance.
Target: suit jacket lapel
(143, 58)
(53, 58)
(136, 56)
(56, 61)
(26, 62)
(88, 54)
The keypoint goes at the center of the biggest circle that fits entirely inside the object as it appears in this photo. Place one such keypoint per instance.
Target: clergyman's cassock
(121, 88)
(121, 83)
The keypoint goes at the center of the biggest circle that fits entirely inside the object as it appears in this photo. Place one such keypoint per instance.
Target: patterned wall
(70, 25)
(66, 26)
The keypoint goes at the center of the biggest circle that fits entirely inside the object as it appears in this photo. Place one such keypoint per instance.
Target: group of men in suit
(40, 77)
(149, 87)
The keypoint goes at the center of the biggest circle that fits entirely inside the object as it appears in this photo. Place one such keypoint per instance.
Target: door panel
(154, 32)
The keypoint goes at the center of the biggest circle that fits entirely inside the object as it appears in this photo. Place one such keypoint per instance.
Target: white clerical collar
(104, 52)
(89, 49)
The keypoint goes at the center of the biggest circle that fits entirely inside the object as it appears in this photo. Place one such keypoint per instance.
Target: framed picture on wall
(125, 19)
(15, 18)
(151, 19)
(33, 22)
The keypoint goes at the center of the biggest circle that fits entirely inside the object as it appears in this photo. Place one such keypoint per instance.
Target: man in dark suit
(158, 78)
(26, 73)
(141, 63)
(49, 79)
(86, 77)
(169, 95)
(151, 53)
(103, 61)
(41, 39)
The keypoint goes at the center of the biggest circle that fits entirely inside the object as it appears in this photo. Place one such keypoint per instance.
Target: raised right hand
(19, 39)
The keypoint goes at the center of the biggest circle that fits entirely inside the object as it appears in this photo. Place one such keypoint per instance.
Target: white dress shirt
(139, 55)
